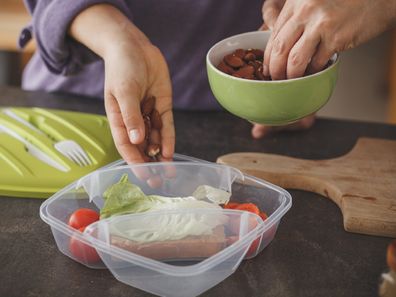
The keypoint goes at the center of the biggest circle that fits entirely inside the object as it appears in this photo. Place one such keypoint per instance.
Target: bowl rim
(335, 57)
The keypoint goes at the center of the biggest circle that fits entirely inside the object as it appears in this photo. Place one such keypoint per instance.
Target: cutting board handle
(287, 172)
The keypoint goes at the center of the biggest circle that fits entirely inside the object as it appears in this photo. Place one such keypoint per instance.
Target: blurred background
(366, 88)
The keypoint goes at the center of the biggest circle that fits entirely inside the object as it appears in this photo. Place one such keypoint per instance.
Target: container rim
(200, 267)
(238, 173)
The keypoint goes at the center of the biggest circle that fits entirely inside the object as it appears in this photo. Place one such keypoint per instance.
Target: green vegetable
(125, 197)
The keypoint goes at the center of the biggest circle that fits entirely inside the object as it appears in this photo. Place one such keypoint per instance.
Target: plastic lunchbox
(167, 262)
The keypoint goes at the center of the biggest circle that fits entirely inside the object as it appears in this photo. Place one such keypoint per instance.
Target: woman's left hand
(307, 33)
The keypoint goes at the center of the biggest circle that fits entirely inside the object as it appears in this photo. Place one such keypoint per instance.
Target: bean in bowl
(243, 63)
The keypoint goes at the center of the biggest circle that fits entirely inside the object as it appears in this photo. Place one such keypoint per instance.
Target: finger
(303, 124)
(162, 89)
(128, 152)
(155, 181)
(308, 121)
(263, 27)
(128, 99)
(282, 44)
(167, 134)
(301, 54)
(259, 131)
(267, 56)
(270, 11)
(320, 58)
(170, 170)
(285, 14)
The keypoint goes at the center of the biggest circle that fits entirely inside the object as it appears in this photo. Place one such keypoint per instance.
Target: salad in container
(172, 229)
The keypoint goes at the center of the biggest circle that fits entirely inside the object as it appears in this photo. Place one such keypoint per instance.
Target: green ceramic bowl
(267, 102)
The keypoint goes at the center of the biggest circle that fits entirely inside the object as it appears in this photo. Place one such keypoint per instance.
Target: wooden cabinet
(13, 17)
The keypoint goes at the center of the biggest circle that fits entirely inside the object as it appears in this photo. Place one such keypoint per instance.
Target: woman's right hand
(134, 69)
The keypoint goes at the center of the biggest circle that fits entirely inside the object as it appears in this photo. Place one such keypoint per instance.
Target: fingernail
(134, 135)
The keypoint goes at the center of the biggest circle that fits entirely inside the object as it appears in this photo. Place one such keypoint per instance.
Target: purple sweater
(184, 30)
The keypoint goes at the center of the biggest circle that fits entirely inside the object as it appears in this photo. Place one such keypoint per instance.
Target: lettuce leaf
(125, 197)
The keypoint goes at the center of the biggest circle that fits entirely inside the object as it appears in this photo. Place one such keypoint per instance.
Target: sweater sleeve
(50, 22)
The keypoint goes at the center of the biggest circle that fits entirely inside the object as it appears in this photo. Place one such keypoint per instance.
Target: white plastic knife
(16, 117)
(33, 150)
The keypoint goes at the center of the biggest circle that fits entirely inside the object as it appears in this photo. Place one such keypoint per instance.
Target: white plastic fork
(32, 149)
(69, 148)
(74, 152)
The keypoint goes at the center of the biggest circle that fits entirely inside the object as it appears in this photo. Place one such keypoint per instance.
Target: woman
(126, 50)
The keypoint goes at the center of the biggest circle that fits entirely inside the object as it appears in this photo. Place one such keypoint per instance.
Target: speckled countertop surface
(311, 254)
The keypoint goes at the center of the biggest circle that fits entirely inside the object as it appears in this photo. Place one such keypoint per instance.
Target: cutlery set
(42, 150)
(69, 148)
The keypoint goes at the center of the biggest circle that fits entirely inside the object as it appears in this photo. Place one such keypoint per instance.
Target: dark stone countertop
(311, 254)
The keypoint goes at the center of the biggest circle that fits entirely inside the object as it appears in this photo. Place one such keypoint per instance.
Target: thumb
(271, 10)
(259, 131)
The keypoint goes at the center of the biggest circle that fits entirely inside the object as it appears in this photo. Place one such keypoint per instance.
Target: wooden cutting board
(362, 183)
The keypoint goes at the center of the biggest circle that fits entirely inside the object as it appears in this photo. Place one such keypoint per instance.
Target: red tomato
(269, 234)
(253, 248)
(263, 216)
(391, 255)
(249, 207)
(84, 253)
(235, 223)
(231, 205)
(83, 217)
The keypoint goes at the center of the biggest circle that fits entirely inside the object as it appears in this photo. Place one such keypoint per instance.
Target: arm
(50, 21)
(134, 68)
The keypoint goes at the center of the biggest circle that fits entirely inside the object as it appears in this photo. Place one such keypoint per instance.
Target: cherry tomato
(253, 248)
(83, 217)
(263, 216)
(249, 207)
(391, 255)
(83, 252)
(231, 205)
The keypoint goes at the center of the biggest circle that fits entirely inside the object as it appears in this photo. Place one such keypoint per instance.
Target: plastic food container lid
(168, 251)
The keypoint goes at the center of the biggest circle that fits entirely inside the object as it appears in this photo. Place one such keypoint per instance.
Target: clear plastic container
(169, 252)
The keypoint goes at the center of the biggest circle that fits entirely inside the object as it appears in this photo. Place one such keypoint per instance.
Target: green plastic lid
(43, 150)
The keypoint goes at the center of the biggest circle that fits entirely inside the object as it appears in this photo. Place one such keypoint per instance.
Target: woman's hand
(134, 69)
(271, 10)
(259, 131)
(307, 33)
(132, 73)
